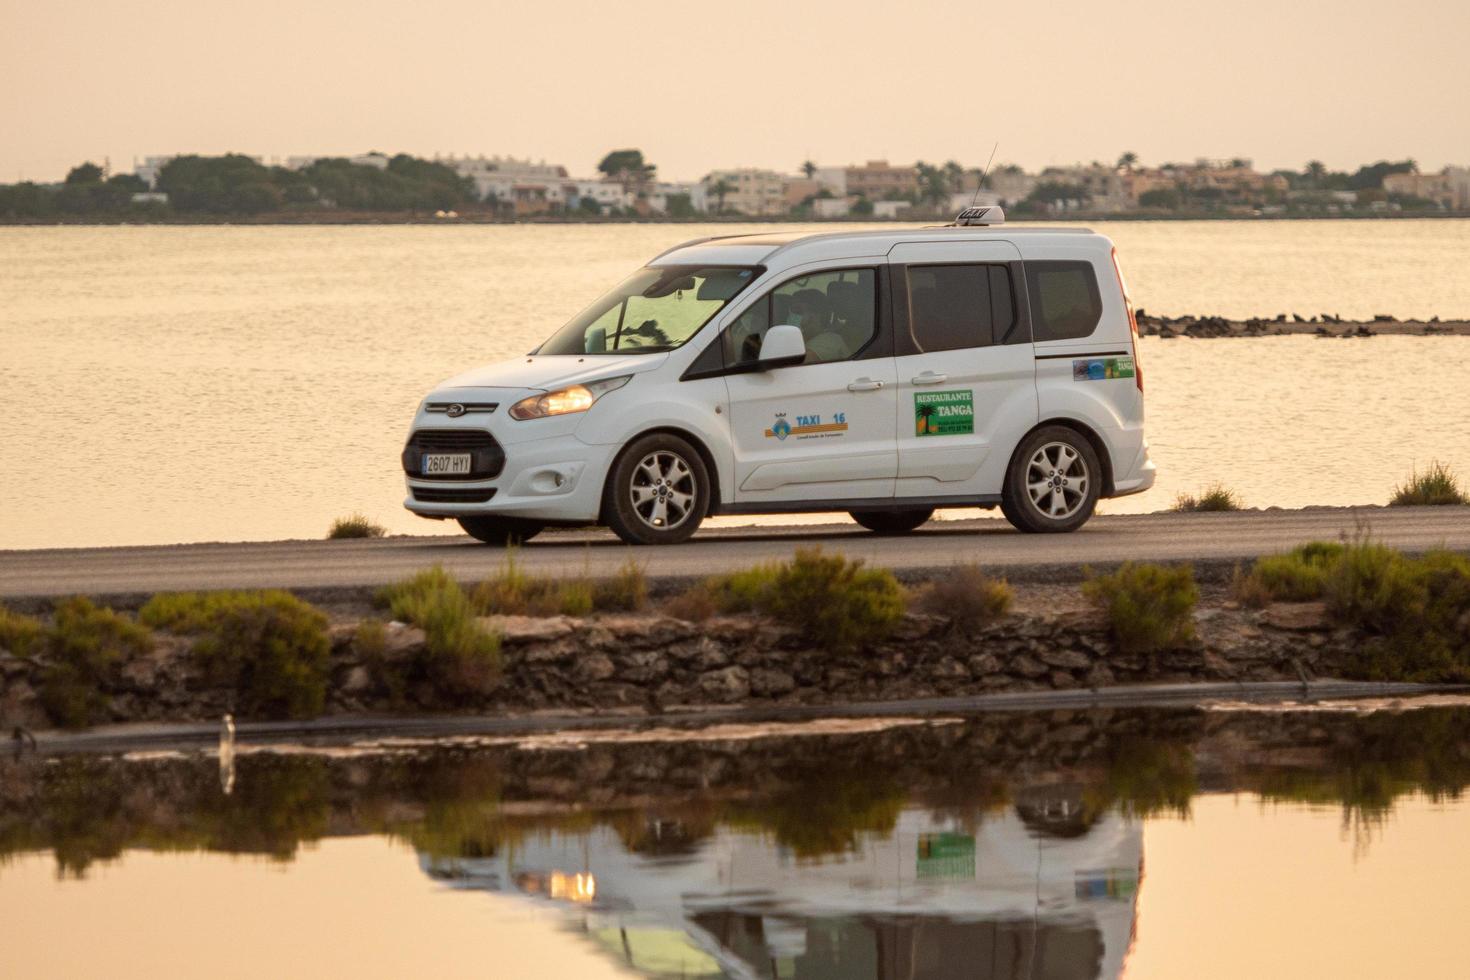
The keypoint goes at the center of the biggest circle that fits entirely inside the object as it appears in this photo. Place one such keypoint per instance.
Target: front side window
(654, 309)
(836, 312)
(1065, 304)
(952, 307)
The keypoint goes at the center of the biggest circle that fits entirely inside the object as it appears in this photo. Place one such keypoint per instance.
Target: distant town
(626, 186)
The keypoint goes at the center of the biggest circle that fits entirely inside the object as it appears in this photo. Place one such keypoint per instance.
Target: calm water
(186, 384)
(1066, 846)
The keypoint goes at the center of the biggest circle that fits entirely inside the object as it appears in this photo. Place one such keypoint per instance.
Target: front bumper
(558, 478)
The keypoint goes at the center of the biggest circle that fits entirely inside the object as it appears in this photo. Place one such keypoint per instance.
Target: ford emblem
(454, 411)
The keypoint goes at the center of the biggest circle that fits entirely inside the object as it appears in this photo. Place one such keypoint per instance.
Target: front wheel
(888, 522)
(500, 531)
(1053, 483)
(658, 491)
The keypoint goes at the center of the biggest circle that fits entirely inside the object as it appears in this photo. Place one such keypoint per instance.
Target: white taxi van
(881, 373)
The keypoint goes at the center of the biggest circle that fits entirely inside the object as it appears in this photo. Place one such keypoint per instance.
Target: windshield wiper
(646, 349)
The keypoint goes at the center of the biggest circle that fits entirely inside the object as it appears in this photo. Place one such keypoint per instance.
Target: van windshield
(654, 309)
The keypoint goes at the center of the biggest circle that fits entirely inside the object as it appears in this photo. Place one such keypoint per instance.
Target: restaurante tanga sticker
(944, 413)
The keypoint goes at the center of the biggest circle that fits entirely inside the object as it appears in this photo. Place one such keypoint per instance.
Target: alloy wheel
(663, 490)
(1057, 480)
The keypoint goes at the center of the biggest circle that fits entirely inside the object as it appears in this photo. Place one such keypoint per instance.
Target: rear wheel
(891, 521)
(500, 531)
(658, 491)
(1053, 483)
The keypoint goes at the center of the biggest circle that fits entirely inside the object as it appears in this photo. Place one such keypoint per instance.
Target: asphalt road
(327, 565)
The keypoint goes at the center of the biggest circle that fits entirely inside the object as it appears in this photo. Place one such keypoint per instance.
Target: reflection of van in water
(882, 373)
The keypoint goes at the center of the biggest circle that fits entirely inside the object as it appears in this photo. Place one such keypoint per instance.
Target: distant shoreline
(296, 219)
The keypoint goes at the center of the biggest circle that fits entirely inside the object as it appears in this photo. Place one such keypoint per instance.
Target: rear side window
(957, 306)
(1065, 304)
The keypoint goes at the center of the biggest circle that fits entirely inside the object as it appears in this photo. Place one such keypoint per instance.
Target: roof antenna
(977, 217)
(984, 173)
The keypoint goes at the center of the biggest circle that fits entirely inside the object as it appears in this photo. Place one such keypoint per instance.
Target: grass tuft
(1150, 608)
(461, 658)
(970, 598)
(269, 647)
(1437, 486)
(1216, 497)
(514, 592)
(355, 526)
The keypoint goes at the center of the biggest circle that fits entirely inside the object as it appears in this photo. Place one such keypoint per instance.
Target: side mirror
(596, 342)
(782, 346)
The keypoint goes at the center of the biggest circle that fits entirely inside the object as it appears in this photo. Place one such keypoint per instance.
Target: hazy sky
(756, 83)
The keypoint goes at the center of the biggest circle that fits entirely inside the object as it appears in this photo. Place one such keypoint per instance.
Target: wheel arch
(705, 456)
(1099, 447)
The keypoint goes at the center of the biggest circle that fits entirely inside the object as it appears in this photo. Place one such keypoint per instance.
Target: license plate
(445, 464)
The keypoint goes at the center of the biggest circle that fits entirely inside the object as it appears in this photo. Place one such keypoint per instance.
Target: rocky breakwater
(641, 663)
(1200, 327)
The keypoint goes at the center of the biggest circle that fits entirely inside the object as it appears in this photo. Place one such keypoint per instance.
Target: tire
(658, 491)
(500, 531)
(1053, 482)
(889, 522)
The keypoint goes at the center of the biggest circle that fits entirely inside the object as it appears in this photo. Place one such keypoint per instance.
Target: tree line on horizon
(235, 185)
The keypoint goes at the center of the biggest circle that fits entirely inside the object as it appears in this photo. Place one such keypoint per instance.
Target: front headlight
(565, 401)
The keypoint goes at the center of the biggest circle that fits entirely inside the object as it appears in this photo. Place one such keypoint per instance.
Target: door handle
(930, 378)
(865, 384)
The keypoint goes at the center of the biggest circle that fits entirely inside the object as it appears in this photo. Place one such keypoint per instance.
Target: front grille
(449, 495)
(464, 408)
(487, 459)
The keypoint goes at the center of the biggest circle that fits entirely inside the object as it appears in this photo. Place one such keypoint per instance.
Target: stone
(358, 681)
(948, 668)
(1026, 666)
(709, 655)
(1100, 676)
(983, 664)
(1065, 659)
(726, 684)
(1296, 615)
(767, 682)
(593, 667)
(643, 666)
(516, 630)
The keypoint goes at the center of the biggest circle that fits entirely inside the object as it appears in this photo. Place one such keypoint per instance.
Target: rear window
(957, 306)
(1065, 304)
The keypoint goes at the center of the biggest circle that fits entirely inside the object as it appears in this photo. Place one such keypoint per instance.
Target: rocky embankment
(653, 664)
(1320, 325)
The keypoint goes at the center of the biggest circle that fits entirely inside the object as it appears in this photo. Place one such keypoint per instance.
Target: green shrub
(268, 647)
(1415, 612)
(970, 598)
(1300, 575)
(1150, 608)
(355, 526)
(18, 634)
(461, 659)
(836, 602)
(1216, 497)
(82, 652)
(1436, 486)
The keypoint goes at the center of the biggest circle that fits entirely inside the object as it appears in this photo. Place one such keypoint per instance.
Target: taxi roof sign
(979, 216)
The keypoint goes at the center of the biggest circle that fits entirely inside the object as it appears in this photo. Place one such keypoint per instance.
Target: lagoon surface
(1081, 845)
(168, 384)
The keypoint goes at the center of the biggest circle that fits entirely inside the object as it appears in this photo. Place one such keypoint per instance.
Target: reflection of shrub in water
(1381, 758)
(825, 816)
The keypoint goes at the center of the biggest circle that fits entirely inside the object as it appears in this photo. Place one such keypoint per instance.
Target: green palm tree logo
(923, 422)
